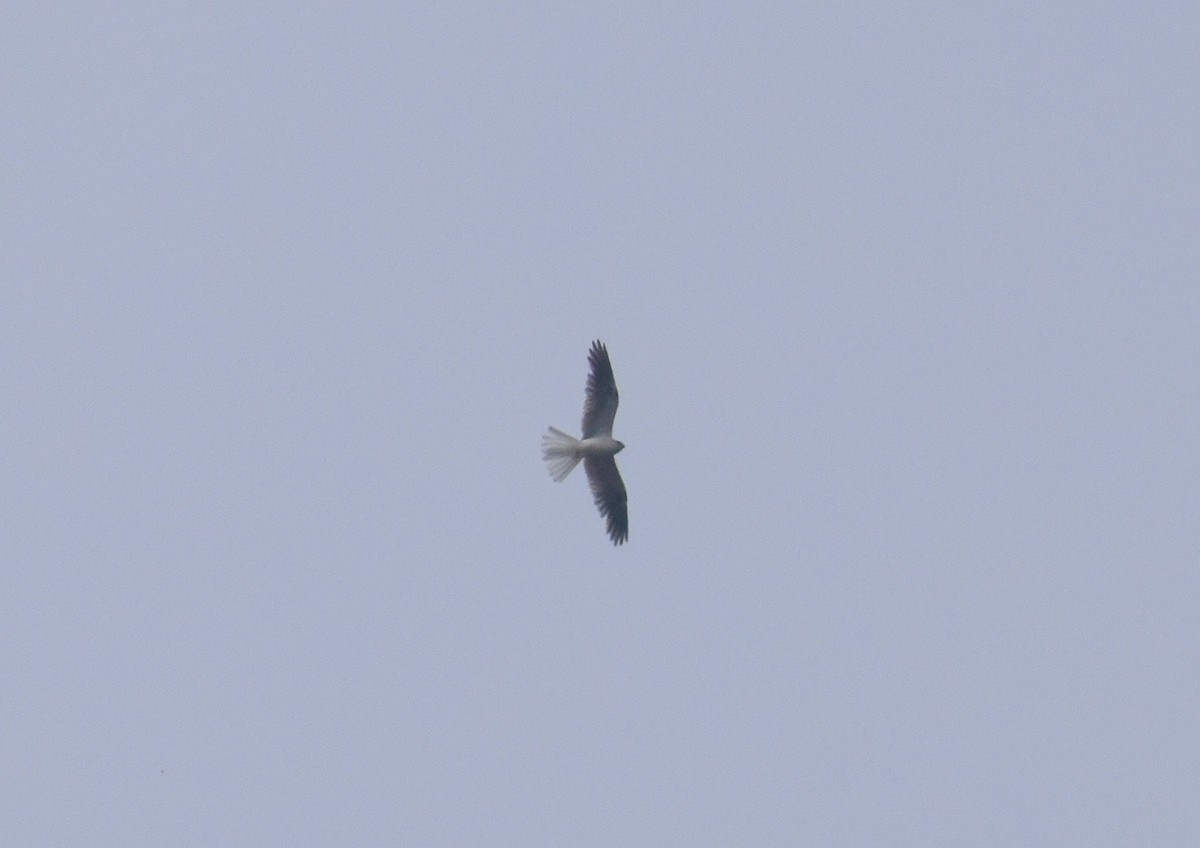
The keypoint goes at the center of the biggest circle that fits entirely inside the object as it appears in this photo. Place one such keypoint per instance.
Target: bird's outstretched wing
(600, 405)
(608, 490)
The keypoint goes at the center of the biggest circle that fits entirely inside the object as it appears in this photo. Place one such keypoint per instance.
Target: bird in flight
(597, 448)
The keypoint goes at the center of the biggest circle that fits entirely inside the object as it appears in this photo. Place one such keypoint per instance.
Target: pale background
(902, 302)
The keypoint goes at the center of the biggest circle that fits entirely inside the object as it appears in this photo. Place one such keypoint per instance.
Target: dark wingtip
(598, 357)
(618, 534)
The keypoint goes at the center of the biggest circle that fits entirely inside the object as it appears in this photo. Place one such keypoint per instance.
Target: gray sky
(902, 304)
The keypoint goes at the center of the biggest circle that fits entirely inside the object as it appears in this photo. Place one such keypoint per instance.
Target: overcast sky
(902, 303)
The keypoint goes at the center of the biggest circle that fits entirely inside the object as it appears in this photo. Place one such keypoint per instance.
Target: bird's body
(597, 449)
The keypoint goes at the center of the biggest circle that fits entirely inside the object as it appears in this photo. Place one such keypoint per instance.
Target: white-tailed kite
(597, 448)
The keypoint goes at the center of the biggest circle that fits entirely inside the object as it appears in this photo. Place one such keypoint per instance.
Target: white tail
(561, 453)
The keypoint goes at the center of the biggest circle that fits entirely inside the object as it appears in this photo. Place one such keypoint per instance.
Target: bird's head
(620, 446)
